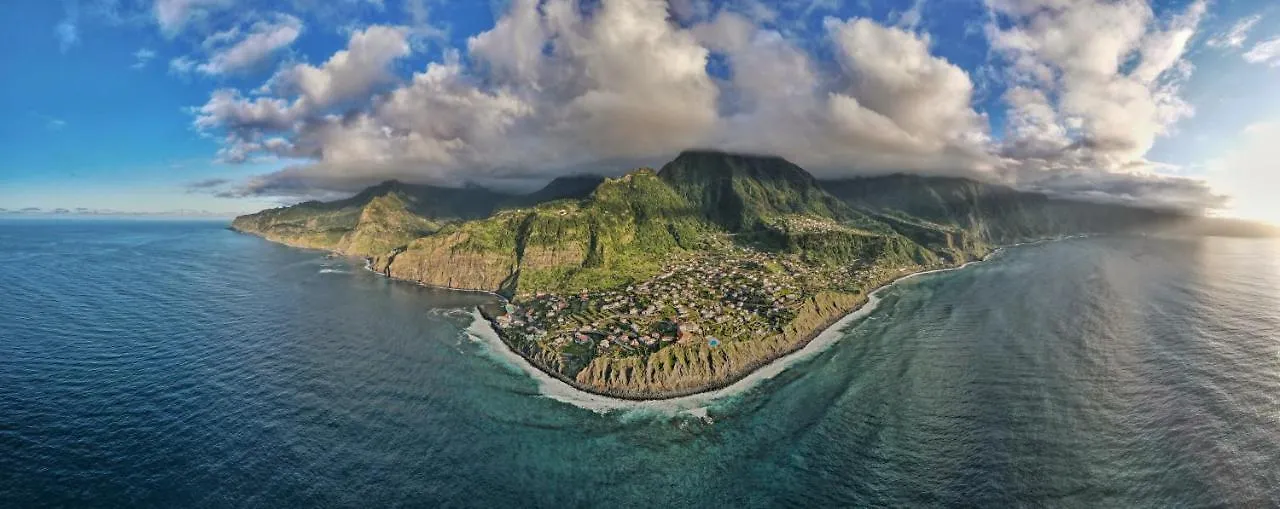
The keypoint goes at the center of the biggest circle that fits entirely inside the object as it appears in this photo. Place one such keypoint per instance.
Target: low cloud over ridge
(554, 88)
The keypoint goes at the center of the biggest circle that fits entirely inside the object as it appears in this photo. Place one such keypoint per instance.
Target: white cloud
(235, 50)
(227, 109)
(727, 33)
(513, 48)
(142, 57)
(173, 15)
(350, 73)
(181, 65)
(555, 87)
(397, 134)
(894, 75)
(1113, 71)
(1237, 35)
(891, 105)
(421, 28)
(911, 18)
(1034, 130)
(246, 123)
(758, 11)
(1265, 52)
(67, 31)
(630, 82)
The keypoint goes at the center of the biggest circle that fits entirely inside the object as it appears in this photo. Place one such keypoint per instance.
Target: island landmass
(664, 283)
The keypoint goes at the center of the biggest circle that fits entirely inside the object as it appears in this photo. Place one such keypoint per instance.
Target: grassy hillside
(613, 236)
(743, 193)
(372, 222)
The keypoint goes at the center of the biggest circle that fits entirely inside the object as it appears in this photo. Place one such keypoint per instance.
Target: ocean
(149, 363)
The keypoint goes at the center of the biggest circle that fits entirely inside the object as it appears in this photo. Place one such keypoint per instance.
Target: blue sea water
(178, 364)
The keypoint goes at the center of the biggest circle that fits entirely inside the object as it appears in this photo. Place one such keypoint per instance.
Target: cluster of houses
(806, 224)
(735, 295)
(866, 277)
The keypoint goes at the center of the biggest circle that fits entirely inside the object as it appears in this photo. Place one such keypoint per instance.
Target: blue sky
(230, 106)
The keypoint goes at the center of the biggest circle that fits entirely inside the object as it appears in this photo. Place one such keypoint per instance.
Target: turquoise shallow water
(177, 364)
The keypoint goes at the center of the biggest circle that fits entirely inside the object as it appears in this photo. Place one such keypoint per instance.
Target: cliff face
(439, 261)
(310, 225)
(373, 222)
(687, 369)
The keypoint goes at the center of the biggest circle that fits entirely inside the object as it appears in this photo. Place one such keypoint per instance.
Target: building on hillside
(686, 331)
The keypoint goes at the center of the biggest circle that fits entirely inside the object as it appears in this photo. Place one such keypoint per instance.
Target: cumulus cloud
(557, 87)
(1265, 52)
(229, 110)
(237, 49)
(350, 73)
(914, 102)
(888, 106)
(1096, 82)
(622, 84)
(246, 122)
(1237, 35)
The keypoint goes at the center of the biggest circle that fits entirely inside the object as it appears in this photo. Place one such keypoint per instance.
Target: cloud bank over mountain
(558, 87)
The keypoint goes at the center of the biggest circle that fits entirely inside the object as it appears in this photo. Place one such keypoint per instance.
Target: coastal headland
(660, 284)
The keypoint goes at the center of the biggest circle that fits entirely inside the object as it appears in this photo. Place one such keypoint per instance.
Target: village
(734, 295)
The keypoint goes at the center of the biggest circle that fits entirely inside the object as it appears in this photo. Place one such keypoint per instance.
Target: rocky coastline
(830, 319)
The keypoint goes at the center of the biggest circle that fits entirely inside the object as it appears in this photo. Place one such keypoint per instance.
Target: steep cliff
(613, 236)
(687, 369)
(372, 222)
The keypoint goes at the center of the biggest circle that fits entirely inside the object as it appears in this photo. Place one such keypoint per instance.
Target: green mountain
(614, 235)
(573, 187)
(775, 205)
(374, 221)
(655, 284)
(742, 193)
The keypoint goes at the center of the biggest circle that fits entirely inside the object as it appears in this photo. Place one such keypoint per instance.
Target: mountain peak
(702, 164)
(741, 191)
(565, 187)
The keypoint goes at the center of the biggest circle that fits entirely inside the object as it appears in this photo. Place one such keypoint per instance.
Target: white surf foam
(696, 404)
